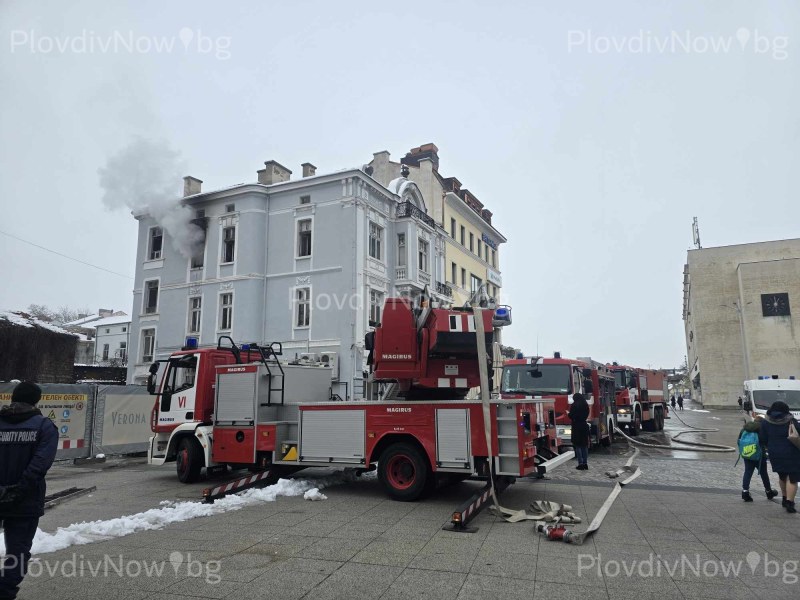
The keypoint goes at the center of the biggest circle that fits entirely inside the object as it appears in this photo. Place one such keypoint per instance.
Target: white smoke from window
(145, 176)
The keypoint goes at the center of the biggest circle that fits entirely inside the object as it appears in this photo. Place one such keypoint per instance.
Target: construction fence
(94, 419)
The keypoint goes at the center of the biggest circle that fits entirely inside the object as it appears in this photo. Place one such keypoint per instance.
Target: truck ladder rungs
(476, 503)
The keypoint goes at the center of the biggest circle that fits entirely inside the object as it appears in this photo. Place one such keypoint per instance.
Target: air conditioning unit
(331, 359)
(308, 358)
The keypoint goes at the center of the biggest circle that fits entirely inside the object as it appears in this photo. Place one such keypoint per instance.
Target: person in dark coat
(28, 443)
(751, 465)
(672, 400)
(578, 414)
(783, 455)
(680, 402)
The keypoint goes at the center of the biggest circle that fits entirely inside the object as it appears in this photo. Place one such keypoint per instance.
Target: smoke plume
(145, 176)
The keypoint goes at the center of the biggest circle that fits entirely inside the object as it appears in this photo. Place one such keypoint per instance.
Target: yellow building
(472, 255)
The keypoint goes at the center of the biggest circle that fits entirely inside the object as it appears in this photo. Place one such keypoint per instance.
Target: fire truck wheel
(189, 460)
(660, 423)
(636, 426)
(404, 472)
(609, 439)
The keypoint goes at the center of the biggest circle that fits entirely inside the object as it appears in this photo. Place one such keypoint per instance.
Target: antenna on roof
(696, 234)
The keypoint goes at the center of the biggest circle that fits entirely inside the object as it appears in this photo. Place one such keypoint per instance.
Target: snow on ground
(314, 494)
(175, 512)
(699, 410)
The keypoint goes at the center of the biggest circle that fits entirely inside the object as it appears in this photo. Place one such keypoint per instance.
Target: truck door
(178, 390)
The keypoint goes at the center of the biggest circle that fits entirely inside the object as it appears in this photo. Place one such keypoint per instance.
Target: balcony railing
(444, 289)
(400, 273)
(407, 209)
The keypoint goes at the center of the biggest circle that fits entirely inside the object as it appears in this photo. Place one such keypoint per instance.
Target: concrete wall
(711, 319)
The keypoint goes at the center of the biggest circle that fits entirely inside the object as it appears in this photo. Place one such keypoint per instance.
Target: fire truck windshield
(621, 379)
(765, 398)
(536, 379)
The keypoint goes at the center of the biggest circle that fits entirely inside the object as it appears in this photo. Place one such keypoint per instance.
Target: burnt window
(775, 305)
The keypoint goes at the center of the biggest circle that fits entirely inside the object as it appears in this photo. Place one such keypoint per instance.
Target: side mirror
(587, 386)
(151, 379)
(369, 341)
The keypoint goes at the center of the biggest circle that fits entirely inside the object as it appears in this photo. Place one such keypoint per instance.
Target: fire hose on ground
(695, 446)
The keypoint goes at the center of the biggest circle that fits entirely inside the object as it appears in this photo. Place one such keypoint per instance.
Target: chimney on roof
(105, 312)
(487, 215)
(425, 151)
(273, 172)
(309, 170)
(191, 186)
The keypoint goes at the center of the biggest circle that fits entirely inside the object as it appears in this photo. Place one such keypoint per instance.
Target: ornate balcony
(444, 289)
(407, 209)
(400, 273)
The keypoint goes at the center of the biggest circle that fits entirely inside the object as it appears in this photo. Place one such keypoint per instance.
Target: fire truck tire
(609, 439)
(404, 472)
(636, 426)
(189, 461)
(660, 420)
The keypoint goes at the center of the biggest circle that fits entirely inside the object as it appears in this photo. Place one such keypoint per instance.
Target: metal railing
(444, 289)
(407, 209)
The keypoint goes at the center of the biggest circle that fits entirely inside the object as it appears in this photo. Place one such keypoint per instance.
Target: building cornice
(474, 218)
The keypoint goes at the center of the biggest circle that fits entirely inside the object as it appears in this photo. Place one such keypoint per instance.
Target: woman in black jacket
(783, 455)
(578, 413)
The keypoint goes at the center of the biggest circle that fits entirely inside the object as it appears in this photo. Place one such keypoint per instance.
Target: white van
(765, 390)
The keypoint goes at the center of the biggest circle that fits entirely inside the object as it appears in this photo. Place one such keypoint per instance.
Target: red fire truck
(558, 379)
(244, 407)
(641, 396)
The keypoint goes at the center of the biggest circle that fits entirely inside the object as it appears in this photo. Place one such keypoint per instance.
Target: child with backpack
(755, 457)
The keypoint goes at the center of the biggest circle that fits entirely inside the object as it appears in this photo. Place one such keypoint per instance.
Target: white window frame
(480, 248)
(123, 350)
(472, 279)
(144, 296)
(453, 273)
(190, 314)
(220, 308)
(378, 241)
(106, 351)
(296, 306)
(150, 256)
(141, 344)
(402, 250)
(297, 222)
(235, 228)
(453, 227)
(376, 299)
(423, 265)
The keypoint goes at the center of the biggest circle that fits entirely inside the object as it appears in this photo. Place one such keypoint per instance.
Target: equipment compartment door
(452, 438)
(236, 399)
(332, 436)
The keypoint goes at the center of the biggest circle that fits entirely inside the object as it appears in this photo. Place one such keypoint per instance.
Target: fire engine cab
(640, 398)
(247, 407)
(557, 379)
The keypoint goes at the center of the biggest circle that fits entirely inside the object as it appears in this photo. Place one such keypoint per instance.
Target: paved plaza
(680, 531)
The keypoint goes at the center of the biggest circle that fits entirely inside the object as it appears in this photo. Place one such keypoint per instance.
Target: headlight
(623, 411)
(564, 431)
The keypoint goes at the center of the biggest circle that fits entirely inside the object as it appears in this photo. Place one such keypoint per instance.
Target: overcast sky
(594, 131)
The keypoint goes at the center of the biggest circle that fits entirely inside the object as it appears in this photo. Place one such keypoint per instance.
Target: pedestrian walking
(755, 458)
(778, 429)
(578, 413)
(741, 406)
(672, 401)
(28, 444)
(680, 402)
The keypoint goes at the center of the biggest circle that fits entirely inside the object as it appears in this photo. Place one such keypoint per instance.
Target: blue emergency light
(246, 347)
(191, 343)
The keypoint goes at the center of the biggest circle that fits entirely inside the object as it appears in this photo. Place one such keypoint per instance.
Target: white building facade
(306, 262)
